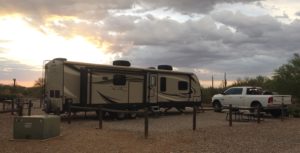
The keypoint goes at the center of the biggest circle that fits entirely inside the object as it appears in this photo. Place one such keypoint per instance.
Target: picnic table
(243, 113)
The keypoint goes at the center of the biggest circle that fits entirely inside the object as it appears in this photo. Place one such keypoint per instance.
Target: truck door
(233, 96)
(152, 88)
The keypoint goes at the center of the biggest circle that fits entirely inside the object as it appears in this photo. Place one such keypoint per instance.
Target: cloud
(297, 13)
(13, 69)
(216, 42)
(189, 6)
(226, 42)
(95, 9)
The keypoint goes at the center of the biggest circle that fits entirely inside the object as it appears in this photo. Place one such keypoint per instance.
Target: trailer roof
(125, 68)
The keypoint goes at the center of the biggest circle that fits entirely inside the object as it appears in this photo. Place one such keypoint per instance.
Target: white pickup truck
(251, 97)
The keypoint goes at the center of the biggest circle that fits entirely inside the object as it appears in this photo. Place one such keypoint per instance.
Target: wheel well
(216, 101)
(255, 103)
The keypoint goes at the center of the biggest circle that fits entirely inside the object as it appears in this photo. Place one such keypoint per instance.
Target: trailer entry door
(153, 88)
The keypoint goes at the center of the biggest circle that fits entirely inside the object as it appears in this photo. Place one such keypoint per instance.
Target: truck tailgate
(279, 99)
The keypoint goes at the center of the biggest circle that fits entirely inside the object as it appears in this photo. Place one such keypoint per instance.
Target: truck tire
(256, 105)
(217, 106)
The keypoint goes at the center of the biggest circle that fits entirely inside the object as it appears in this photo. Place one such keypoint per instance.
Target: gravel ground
(169, 133)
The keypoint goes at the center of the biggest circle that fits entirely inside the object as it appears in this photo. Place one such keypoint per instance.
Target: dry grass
(168, 133)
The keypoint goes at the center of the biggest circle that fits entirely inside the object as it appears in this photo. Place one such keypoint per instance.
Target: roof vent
(151, 68)
(60, 59)
(165, 67)
(121, 63)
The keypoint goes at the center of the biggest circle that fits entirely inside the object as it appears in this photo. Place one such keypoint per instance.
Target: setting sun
(30, 46)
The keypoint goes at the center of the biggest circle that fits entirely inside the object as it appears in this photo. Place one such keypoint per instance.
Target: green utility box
(36, 126)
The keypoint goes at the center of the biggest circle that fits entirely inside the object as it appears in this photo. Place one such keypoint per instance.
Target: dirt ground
(169, 133)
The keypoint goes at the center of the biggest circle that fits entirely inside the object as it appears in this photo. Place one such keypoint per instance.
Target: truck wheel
(217, 106)
(255, 105)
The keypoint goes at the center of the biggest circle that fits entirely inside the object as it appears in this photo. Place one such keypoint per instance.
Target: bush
(294, 111)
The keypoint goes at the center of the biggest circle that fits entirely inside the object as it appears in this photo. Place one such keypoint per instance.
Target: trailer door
(152, 88)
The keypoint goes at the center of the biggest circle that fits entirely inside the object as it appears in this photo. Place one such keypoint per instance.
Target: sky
(244, 38)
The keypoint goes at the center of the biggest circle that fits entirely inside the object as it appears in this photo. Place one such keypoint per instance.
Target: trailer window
(182, 85)
(51, 93)
(163, 84)
(57, 94)
(119, 80)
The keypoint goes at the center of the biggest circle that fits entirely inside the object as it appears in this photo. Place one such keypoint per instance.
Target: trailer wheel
(120, 116)
(105, 115)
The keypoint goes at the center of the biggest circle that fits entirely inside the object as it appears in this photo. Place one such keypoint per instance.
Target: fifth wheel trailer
(117, 86)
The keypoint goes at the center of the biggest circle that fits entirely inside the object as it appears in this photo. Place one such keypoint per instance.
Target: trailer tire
(120, 116)
(132, 115)
(105, 115)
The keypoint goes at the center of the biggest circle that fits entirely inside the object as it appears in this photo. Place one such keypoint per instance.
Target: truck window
(163, 84)
(234, 91)
(182, 85)
(119, 80)
(254, 91)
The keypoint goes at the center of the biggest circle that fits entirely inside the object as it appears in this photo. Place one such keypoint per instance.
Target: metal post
(282, 111)
(20, 108)
(100, 117)
(69, 112)
(258, 114)
(194, 117)
(41, 101)
(14, 91)
(12, 106)
(146, 122)
(230, 115)
(29, 107)
(3, 106)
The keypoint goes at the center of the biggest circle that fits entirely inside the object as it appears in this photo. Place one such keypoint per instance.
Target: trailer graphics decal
(107, 99)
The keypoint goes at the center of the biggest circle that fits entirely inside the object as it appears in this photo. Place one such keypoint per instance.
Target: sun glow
(24, 43)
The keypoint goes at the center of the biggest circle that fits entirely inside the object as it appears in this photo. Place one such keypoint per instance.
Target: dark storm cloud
(221, 42)
(264, 33)
(229, 42)
(39, 9)
(190, 6)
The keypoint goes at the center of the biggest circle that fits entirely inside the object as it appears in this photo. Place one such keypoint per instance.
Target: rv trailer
(117, 86)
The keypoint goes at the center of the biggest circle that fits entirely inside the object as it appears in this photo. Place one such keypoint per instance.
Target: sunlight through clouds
(30, 46)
